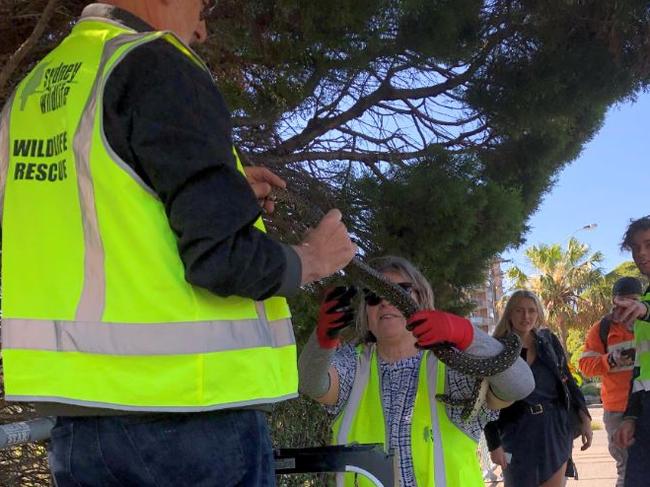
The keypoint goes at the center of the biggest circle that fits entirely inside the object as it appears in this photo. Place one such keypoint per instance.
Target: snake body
(463, 362)
(473, 366)
(479, 367)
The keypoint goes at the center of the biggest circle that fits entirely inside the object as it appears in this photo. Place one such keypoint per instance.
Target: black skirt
(540, 440)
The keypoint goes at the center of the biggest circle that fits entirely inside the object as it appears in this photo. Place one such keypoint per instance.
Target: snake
(465, 363)
(470, 365)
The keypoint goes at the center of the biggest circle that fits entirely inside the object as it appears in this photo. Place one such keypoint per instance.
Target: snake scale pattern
(478, 367)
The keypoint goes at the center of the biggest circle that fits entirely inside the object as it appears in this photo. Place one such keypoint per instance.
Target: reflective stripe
(640, 385)
(93, 294)
(438, 454)
(358, 387)
(623, 368)
(107, 147)
(168, 409)
(144, 339)
(4, 149)
(261, 313)
(643, 347)
(361, 378)
(105, 20)
(137, 39)
(590, 354)
(620, 345)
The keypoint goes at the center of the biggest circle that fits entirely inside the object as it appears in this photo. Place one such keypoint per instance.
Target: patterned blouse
(399, 384)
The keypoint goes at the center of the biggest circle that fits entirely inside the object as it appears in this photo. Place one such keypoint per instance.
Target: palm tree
(560, 279)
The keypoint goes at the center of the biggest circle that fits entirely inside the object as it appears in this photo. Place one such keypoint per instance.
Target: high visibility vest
(443, 455)
(96, 309)
(642, 358)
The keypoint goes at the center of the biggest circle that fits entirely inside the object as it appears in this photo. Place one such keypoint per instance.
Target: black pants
(637, 471)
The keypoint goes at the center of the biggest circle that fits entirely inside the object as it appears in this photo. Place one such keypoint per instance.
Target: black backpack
(603, 330)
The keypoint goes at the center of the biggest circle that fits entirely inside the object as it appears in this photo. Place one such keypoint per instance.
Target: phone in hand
(629, 353)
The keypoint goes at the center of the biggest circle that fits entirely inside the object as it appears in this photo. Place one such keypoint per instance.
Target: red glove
(335, 314)
(432, 327)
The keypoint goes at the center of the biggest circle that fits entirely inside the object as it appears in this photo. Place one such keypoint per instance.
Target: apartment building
(486, 297)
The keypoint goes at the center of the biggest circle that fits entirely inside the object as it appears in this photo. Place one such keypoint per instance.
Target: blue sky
(607, 185)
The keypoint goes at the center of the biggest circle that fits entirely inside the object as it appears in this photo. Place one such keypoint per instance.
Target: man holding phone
(609, 353)
(634, 432)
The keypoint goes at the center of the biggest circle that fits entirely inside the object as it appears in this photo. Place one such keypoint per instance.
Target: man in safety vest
(143, 303)
(634, 432)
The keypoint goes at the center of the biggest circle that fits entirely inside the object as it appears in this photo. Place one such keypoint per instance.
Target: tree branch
(386, 92)
(17, 57)
(367, 158)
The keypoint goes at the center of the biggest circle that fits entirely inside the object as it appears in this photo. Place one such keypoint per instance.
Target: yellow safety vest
(95, 307)
(443, 455)
(642, 358)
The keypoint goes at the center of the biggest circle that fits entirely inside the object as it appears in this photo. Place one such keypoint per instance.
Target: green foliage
(556, 104)
(624, 269)
(298, 424)
(562, 276)
(301, 422)
(575, 345)
(452, 31)
(443, 232)
(304, 313)
(591, 390)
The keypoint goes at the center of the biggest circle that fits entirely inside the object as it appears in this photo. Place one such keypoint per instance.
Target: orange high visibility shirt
(593, 362)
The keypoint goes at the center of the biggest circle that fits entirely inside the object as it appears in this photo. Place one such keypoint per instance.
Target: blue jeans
(220, 448)
(637, 470)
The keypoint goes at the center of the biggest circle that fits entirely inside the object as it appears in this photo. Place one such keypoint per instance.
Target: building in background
(487, 297)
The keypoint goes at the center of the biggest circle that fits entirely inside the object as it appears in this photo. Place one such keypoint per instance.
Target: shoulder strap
(603, 330)
(556, 350)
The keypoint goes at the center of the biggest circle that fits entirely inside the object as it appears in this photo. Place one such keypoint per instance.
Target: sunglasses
(373, 299)
(208, 8)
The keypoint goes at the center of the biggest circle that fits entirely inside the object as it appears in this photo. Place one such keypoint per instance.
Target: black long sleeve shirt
(165, 118)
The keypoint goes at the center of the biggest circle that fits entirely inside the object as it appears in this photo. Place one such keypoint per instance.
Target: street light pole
(589, 226)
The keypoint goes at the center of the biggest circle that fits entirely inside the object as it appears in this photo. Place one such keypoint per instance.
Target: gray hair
(422, 288)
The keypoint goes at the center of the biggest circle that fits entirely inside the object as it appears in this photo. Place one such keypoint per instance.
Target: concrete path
(596, 468)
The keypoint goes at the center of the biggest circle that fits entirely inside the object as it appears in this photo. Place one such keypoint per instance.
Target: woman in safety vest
(533, 438)
(383, 390)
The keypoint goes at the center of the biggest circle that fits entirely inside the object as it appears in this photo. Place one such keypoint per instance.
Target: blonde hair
(504, 326)
(422, 288)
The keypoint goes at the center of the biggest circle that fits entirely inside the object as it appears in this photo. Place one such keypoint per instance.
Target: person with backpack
(609, 353)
